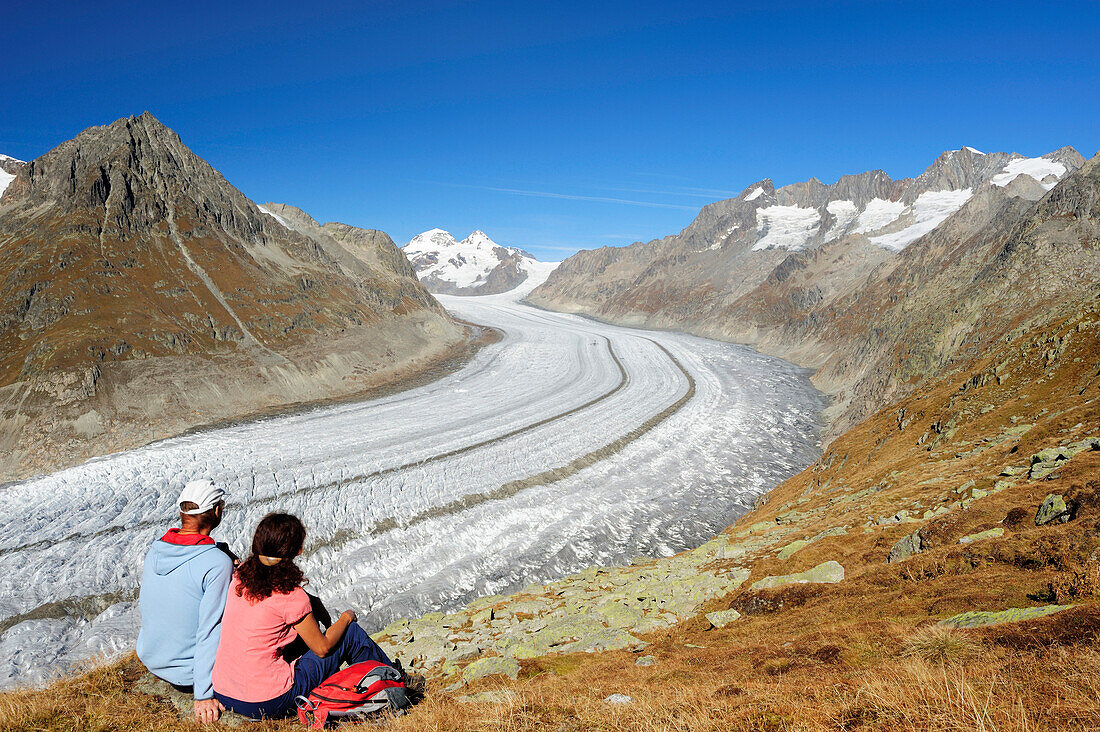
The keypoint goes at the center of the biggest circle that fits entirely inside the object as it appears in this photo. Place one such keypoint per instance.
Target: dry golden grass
(940, 644)
(1056, 689)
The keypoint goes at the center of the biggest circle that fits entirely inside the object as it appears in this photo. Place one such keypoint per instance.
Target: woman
(267, 609)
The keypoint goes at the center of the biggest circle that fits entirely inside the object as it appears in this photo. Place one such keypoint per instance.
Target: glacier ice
(424, 499)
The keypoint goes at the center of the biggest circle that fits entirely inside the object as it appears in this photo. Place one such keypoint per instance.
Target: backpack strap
(309, 715)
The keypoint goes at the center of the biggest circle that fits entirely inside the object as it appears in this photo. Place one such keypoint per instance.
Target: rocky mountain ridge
(372, 247)
(474, 266)
(130, 262)
(831, 277)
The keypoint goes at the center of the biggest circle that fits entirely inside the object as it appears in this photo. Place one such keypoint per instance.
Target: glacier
(567, 443)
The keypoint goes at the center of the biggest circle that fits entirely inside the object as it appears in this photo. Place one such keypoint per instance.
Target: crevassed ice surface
(1041, 169)
(929, 211)
(844, 212)
(790, 227)
(877, 214)
(566, 444)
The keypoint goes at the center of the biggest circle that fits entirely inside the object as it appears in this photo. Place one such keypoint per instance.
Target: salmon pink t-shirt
(249, 666)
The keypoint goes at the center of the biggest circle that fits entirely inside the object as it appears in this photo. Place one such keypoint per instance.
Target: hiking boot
(415, 685)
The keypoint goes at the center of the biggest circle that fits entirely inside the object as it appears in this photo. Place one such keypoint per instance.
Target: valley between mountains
(603, 499)
(567, 443)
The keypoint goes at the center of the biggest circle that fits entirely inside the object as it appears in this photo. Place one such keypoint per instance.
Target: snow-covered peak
(465, 267)
(1048, 172)
(757, 192)
(478, 239)
(429, 241)
(10, 158)
(973, 150)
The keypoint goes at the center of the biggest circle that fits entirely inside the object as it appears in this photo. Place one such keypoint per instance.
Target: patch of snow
(929, 211)
(845, 213)
(976, 152)
(5, 177)
(755, 194)
(789, 227)
(5, 180)
(276, 216)
(722, 239)
(1041, 169)
(878, 213)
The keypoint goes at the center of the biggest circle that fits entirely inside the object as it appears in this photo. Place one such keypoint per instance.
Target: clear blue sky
(552, 126)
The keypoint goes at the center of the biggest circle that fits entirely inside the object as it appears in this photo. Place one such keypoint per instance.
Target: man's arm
(215, 587)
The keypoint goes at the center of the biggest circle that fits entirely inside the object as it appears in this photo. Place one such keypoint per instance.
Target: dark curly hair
(279, 535)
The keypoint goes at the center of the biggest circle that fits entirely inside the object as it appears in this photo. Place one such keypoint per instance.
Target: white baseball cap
(204, 493)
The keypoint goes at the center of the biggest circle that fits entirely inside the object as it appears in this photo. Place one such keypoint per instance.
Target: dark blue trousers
(355, 647)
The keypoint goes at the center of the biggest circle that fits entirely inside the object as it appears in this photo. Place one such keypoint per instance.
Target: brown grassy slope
(858, 654)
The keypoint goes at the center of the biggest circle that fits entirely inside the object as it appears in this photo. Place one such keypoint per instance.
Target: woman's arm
(322, 643)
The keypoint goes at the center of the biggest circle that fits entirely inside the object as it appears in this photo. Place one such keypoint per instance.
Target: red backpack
(356, 692)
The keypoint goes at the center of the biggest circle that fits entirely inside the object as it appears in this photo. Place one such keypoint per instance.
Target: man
(183, 588)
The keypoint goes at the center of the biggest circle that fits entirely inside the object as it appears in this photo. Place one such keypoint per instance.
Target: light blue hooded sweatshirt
(182, 599)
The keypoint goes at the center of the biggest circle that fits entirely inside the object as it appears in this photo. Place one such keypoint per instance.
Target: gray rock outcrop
(906, 547)
(1053, 509)
(829, 572)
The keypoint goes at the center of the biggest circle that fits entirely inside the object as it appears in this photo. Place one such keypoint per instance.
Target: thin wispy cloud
(567, 196)
(706, 193)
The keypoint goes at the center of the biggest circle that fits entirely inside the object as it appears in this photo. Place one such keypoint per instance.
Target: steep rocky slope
(144, 294)
(849, 279)
(372, 247)
(474, 266)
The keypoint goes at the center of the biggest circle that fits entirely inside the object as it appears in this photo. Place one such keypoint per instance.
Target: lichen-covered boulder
(995, 533)
(493, 666)
(827, 572)
(722, 618)
(1054, 508)
(793, 547)
(606, 639)
(978, 618)
(905, 548)
(184, 703)
(493, 696)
